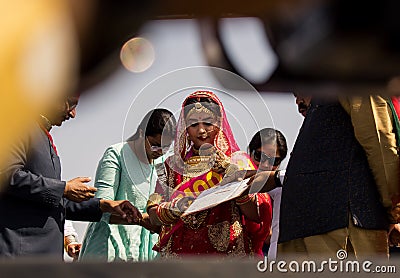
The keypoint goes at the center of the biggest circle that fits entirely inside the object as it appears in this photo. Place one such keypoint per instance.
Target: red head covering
(224, 140)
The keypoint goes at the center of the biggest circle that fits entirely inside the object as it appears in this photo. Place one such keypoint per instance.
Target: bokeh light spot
(137, 55)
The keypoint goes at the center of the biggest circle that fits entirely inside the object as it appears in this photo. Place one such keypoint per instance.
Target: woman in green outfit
(127, 171)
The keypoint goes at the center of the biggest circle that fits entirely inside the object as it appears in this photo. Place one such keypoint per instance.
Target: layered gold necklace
(199, 164)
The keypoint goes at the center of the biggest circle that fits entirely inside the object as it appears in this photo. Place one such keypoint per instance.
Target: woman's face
(156, 145)
(202, 128)
(266, 158)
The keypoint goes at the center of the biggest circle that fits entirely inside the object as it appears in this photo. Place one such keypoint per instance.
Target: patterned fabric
(221, 229)
(121, 176)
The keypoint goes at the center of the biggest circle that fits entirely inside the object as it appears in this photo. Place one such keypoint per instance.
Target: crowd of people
(340, 189)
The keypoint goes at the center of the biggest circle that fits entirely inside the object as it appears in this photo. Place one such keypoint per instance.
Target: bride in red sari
(204, 152)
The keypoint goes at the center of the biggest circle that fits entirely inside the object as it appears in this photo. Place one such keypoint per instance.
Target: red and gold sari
(221, 229)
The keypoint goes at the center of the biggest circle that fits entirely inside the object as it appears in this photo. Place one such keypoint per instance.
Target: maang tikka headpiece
(198, 108)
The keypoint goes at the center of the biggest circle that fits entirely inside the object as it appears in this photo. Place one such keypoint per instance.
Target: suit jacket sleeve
(84, 211)
(19, 181)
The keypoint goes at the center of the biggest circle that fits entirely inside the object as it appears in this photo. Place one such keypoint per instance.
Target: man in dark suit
(34, 201)
(340, 180)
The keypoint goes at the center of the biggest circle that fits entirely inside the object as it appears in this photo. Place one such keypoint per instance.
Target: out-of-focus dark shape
(393, 87)
(351, 46)
(321, 45)
(349, 42)
(103, 27)
(216, 9)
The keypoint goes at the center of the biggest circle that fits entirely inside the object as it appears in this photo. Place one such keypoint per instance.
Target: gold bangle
(154, 200)
(152, 205)
(243, 200)
(165, 214)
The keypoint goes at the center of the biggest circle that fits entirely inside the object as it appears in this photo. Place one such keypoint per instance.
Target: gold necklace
(204, 151)
(198, 165)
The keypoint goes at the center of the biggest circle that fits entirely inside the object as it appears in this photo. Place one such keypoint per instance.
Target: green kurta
(121, 176)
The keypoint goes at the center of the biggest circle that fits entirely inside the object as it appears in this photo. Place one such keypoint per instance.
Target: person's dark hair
(156, 121)
(269, 136)
(205, 101)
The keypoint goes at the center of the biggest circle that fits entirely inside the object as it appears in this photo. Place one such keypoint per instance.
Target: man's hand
(73, 250)
(77, 191)
(121, 208)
